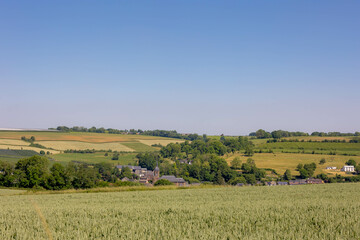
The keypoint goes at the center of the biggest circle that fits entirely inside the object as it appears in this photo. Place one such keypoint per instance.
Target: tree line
(281, 134)
(35, 172)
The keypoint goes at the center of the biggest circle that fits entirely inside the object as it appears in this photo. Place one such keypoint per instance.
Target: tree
(42, 152)
(262, 134)
(287, 175)
(250, 178)
(357, 169)
(126, 172)
(32, 138)
(34, 169)
(59, 178)
(219, 180)
(236, 163)
(237, 180)
(351, 162)
(249, 151)
(322, 161)
(304, 173)
(163, 182)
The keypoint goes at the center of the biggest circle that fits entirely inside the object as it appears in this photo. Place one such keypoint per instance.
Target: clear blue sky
(210, 67)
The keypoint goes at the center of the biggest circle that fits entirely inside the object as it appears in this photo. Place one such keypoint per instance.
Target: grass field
(282, 161)
(281, 212)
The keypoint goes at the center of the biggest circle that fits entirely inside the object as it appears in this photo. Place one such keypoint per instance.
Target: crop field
(13, 147)
(64, 145)
(13, 142)
(328, 211)
(162, 142)
(77, 136)
(61, 141)
(282, 161)
(98, 157)
(320, 147)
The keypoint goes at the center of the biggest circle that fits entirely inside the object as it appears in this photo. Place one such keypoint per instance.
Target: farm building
(297, 182)
(144, 174)
(272, 183)
(240, 185)
(314, 181)
(177, 181)
(331, 168)
(348, 168)
(282, 183)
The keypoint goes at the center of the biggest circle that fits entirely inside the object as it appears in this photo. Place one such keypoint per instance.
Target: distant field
(13, 142)
(78, 136)
(282, 161)
(60, 141)
(98, 157)
(317, 138)
(350, 148)
(65, 145)
(139, 147)
(27, 148)
(316, 212)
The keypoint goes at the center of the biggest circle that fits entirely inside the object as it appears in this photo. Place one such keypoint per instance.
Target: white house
(331, 168)
(348, 168)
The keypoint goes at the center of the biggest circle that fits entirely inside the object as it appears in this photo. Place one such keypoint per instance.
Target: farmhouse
(314, 181)
(297, 182)
(177, 181)
(348, 168)
(331, 168)
(144, 174)
(272, 183)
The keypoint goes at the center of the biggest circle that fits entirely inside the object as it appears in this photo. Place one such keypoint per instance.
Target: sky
(214, 67)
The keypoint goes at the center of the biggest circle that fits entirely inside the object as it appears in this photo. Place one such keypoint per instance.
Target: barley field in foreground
(283, 212)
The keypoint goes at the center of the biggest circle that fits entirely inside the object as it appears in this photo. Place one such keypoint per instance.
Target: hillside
(55, 143)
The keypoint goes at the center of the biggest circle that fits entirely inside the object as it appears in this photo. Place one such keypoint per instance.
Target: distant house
(297, 182)
(185, 161)
(240, 185)
(144, 174)
(331, 168)
(348, 168)
(180, 182)
(125, 179)
(314, 181)
(272, 183)
(282, 183)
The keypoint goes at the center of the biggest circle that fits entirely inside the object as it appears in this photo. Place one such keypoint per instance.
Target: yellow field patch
(282, 161)
(13, 147)
(163, 142)
(77, 136)
(13, 142)
(76, 145)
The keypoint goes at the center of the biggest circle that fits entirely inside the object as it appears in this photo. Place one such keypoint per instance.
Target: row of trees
(34, 172)
(281, 134)
(209, 146)
(98, 130)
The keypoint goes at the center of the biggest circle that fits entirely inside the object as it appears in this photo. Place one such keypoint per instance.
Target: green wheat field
(329, 211)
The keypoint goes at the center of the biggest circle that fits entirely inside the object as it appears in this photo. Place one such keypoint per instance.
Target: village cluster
(149, 177)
